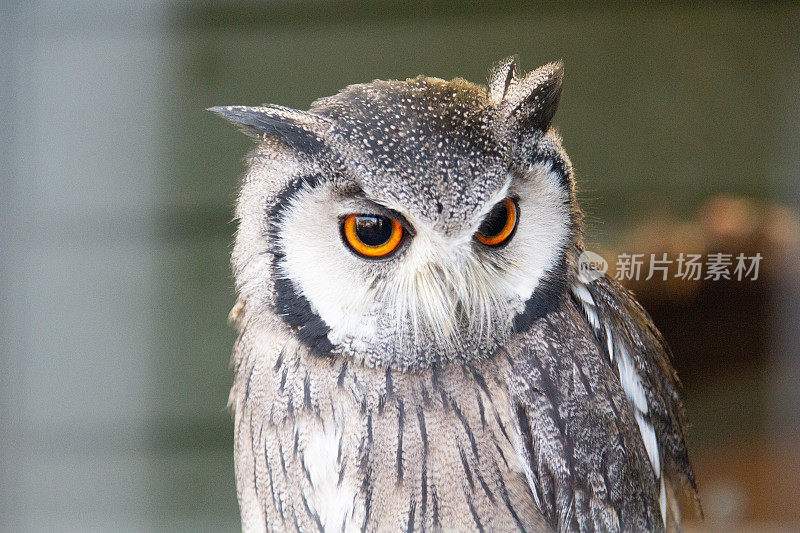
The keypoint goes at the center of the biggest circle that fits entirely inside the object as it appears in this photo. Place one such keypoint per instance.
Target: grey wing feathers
(582, 445)
(651, 356)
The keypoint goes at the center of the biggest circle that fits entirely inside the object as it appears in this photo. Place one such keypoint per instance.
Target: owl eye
(499, 225)
(372, 236)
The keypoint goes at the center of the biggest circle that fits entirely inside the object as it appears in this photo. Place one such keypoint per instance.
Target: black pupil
(495, 221)
(374, 230)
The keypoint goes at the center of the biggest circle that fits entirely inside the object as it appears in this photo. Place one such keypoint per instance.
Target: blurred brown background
(683, 123)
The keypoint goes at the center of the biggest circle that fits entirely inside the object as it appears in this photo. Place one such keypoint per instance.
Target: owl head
(407, 223)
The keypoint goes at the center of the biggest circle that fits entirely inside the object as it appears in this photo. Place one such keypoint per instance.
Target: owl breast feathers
(417, 350)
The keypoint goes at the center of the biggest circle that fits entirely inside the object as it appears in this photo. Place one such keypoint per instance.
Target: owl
(417, 347)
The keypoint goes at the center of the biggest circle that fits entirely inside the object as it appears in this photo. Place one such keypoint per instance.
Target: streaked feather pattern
(420, 451)
(604, 450)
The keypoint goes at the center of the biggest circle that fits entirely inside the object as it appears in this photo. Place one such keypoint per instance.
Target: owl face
(405, 223)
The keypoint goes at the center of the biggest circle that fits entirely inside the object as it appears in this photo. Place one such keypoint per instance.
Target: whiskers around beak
(453, 300)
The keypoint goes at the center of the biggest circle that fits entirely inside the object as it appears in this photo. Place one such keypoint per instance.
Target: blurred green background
(116, 205)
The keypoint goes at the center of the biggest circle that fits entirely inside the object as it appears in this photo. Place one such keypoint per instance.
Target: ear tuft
(502, 76)
(531, 102)
(301, 130)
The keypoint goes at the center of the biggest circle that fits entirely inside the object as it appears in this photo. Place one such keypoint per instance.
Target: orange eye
(372, 236)
(499, 225)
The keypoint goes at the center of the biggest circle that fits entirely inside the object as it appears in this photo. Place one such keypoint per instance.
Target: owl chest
(413, 454)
